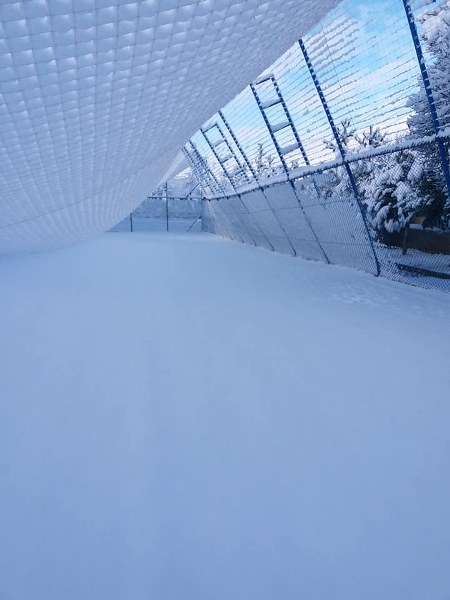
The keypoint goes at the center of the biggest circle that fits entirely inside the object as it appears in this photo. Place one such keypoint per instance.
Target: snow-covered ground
(439, 263)
(184, 417)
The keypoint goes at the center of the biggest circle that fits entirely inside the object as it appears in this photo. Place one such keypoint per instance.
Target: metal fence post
(428, 92)
(201, 170)
(167, 208)
(283, 162)
(216, 156)
(213, 150)
(238, 145)
(341, 148)
(269, 129)
(251, 169)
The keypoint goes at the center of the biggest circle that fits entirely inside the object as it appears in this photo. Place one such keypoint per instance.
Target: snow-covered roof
(98, 96)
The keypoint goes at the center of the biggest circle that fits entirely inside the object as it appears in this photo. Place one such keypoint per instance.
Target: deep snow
(184, 417)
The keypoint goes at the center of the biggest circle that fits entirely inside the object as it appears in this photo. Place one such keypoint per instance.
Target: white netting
(99, 95)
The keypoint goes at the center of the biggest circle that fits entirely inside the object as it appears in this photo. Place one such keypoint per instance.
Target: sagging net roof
(98, 96)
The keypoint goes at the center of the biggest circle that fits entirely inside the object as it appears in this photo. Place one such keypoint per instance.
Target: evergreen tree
(263, 162)
(336, 183)
(435, 30)
(435, 33)
(392, 194)
(345, 134)
(373, 138)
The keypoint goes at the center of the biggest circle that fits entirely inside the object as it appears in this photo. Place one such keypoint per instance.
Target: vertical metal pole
(428, 92)
(341, 148)
(308, 220)
(213, 150)
(216, 156)
(167, 207)
(269, 128)
(290, 121)
(277, 146)
(238, 145)
(195, 171)
(230, 150)
(252, 171)
(131, 222)
(306, 160)
(210, 174)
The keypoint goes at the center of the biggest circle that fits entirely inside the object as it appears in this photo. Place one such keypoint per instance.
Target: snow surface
(98, 97)
(186, 417)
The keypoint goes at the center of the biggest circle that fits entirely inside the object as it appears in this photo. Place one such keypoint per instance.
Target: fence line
(164, 213)
(343, 142)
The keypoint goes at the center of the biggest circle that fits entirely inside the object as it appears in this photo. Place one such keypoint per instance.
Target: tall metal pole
(252, 171)
(428, 92)
(269, 129)
(216, 156)
(201, 169)
(227, 175)
(341, 148)
(283, 162)
(238, 145)
(167, 207)
(291, 122)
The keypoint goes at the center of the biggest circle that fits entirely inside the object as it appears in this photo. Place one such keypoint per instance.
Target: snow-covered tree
(372, 138)
(391, 186)
(263, 163)
(336, 184)
(363, 170)
(435, 33)
(345, 133)
(392, 194)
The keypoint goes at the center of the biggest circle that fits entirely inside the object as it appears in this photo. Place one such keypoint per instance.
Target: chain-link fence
(160, 213)
(339, 152)
(175, 206)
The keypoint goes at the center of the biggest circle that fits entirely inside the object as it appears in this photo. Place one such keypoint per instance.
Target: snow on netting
(340, 150)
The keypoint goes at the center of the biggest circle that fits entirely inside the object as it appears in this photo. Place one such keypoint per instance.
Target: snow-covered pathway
(187, 418)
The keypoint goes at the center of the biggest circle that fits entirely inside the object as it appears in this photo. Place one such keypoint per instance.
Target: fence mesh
(165, 213)
(339, 151)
